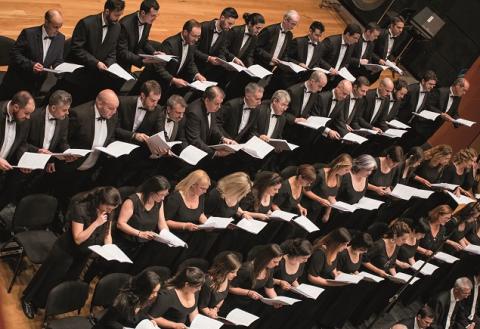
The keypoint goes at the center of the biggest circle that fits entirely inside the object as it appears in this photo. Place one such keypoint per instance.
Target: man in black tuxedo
(133, 40)
(36, 48)
(416, 101)
(422, 320)
(400, 90)
(211, 43)
(389, 43)
(13, 133)
(175, 75)
(237, 117)
(354, 103)
(274, 39)
(363, 52)
(94, 45)
(447, 305)
(470, 311)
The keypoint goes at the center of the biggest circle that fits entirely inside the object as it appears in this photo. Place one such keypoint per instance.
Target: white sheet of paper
(227, 147)
(81, 152)
(464, 122)
(170, 239)
(397, 124)
(393, 66)
(402, 278)
(367, 131)
(282, 145)
(280, 300)
(472, 248)
(117, 148)
(462, 199)
(64, 68)
(370, 277)
(343, 206)
(446, 186)
(258, 71)
(161, 58)
(427, 269)
(429, 115)
(158, 141)
(345, 73)
(406, 192)
(202, 85)
(394, 133)
(191, 155)
(146, 324)
(283, 215)
(348, 278)
(306, 224)
(444, 257)
(204, 322)
(240, 317)
(257, 148)
(354, 138)
(120, 72)
(375, 67)
(216, 223)
(422, 194)
(292, 66)
(368, 203)
(33, 161)
(251, 225)
(321, 70)
(111, 252)
(315, 122)
(308, 291)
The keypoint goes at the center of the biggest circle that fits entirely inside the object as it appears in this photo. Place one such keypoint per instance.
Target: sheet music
(257, 148)
(444, 257)
(202, 85)
(402, 278)
(240, 317)
(283, 215)
(306, 224)
(473, 248)
(227, 147)
(120, 72)
(292, 66)
(345, 73)
(251, 225)
(375, 67)
(145, 324)
(161, 58)
(315, 122)
(216, 223)
(347, 278)
(117, 148)
(33, 161)
(308, 291)
(204, 322)
(64, 68)
(462, 199)
(191, 155)
(282, 145)
(279, 300)
(464, 122)
(158, 142)
(370, 277)
(111, 252)
(354, 138)
(406, 192)
(429, 115)
(394, 133)
(367, 131)
(368, 203)
(76, 152)
(446, 186)
(343, 206)
(320, 69)
(258, 71)
(393, 66)
(170, 239)
(397, 124)
(427, 269)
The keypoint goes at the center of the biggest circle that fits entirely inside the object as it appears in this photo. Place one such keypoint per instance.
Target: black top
(450, 175)
(345, 263)
(472, 235)
(432, 174)
(248, 204)
(115, 319)
(284, 198)
(378, 178)
(209, 297)
(433, 243)
(407, 251)
(168, 306)
(215, 205)
(175, 209)
(142, 219)
(281, 272)
(347, 193)
(398, 176)
(318, 265)
(377, 255)
(320, 186)
(245, 280)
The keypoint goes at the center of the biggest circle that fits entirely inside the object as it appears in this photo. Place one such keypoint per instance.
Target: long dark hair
(136, 292)
(253, 18)
(224, 263)
(297, 247)
(153, 185)
(100, 195)
(193, 276)
(263, 256)
(330, 242)
(263, 181)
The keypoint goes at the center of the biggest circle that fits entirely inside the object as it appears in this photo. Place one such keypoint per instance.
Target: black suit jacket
(21, 132)
(337, 115)
(381, 46)
(129, 46)
(330, 50)
(392, 113)
(297, 52)
(267, 42)
(178, 131)
(232, 46)
(204, 49)
(87, 48)
(438, 102)
(126, 117)
(263, 122)
(28, 50)
(296, 101)
(36, 133)
(363, 117)
(196, 127)
(440, 304)
(229, 117)
(357, 52)
(350, 116)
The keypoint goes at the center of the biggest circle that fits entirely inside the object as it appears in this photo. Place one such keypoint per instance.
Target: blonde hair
(236, 185)
(437, 152)
(438, 211)
(465, 155)
(341, 161)
(195, 177)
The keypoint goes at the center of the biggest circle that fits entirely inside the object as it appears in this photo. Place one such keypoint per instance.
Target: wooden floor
(16, 15)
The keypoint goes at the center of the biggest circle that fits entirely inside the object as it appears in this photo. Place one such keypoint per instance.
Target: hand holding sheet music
(202, 85)
(220, 223)
(191, 155)
(314, 122)
(429, 115)
(111, 252)
(64, 68)
(117, 149)
(33, 161)
(257, 148)
(118, 71)
(170, 239)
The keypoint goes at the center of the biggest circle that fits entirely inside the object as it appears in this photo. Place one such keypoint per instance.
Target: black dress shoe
(28, 309)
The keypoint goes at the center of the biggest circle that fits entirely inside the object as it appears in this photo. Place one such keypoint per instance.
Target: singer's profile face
(106, 208)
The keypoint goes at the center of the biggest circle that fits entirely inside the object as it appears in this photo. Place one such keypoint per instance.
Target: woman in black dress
(141, 217)
(178, 301)
(215, 289)
(405, 171)
(350, 259)
(465, 220)
(459, 171)
(323, 191)
(89, 215)
(406, 255)
(431, 168)
(132, 302)
(291, 267)
(381, 181)
(436, 219)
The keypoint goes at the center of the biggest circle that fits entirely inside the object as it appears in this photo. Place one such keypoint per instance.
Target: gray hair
(365, 162)
(291, 14)
(60, 97)
(174, 100)
(463, 283)
(318, 76)
(253, 87)
(281, 95)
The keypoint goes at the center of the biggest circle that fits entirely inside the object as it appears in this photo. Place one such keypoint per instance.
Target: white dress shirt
(209, 119)
(139, 115)
(390, 103)
(415, 324)
(245, 116)
(306, 97)
(341, 54)
(450, 100)
(453, 301)
(246, 36)
(391, 40)
(216, 34)
(476, 287)
(184, 54)
(169, 124)
(351, 105)
(46, 41)
(376, 108)
(141, 26)
(104, 28)
(98, 140)
(332, 106)
(364, 45)
(310, 49)
(50, 124)
(280, 42)
(272, 123)
(421, 97)
(10, 133)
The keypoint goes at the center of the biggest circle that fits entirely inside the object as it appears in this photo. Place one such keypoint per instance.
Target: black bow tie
(247, 109)
(283, 32)
(104, 26)
(249, 34)
(141, 24)
(353, 98)
(392, 101)
(170, 120)
(423, 92)
(143, 108)
(306, 91)
(312, 43)
(10, 121)
(343, 45)
(275, 115)
(101, 119)
(379, 98)
(217, 32)
(48, 37)
(52, 119)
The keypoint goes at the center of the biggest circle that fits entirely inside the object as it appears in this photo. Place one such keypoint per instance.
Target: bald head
(53, 22)
(460, 87)
(290, 20)
(107, 103)
(342, 90)
(385, 87)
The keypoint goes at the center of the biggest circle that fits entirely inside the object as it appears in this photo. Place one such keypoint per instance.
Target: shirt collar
(97, 114)
(306, 87)
(452, 297)
(216, 27)
(44, 33)
(311, 41)
(363, 37)
(103, 21)
(139, 103)
(343, 41)
(48, 114)
(451, 94)
(421, 87)
(184, 43)
(390, 34)
(378, 94)
(140, 23)
(272, 112)
(282, 29)
(10, 117)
